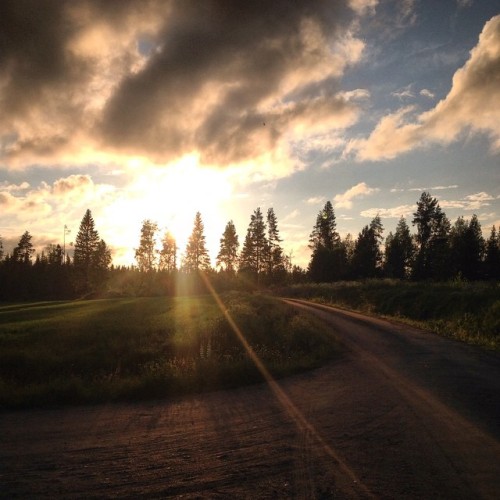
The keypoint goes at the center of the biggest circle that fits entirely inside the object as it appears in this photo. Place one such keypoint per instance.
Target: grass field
(465, 311)
(138, 348)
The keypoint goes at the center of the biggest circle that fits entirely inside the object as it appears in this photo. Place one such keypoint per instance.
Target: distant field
(137, 348)
(466, 311)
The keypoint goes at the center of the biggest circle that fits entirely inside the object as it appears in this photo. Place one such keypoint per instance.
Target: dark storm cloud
(214, 76)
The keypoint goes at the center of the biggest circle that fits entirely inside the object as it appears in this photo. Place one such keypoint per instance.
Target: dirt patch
(362, 427)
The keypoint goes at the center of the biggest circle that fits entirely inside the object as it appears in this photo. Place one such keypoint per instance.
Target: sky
(157, 109)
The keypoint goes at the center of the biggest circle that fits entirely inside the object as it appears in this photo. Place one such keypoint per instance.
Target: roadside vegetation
(138, 348)
(461, 310)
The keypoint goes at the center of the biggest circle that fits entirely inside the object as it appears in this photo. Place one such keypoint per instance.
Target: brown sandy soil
(401, 414)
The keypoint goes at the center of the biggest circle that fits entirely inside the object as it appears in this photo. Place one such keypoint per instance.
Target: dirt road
(401, 414)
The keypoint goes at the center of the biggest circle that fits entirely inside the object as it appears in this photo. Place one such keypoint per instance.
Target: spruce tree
(228, 252)
(196, 257)
(328, 260)
(86, 245)
(146, 254)
(254, 255)
(432, 259)
(276, 260)
(168, 253)
(24, 250)
(399, 251)
(492, 257)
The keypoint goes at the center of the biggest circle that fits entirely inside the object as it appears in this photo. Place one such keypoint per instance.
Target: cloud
(471, 104)
(363, 6)
(404, 93)
(315, 200)
(434, 188)
(389, 213)
(358, 191)
(234, 83)
(427, 93)
(6, 187)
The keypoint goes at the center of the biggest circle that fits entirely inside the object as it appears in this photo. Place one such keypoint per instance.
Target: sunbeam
(302, 423)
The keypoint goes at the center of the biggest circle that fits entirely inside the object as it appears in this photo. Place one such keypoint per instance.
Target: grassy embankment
(138, 348)
(465, 311)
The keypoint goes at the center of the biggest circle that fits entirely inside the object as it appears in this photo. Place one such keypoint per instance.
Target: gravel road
(400, 414)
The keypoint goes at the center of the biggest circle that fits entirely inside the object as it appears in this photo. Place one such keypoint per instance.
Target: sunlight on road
(294, 413)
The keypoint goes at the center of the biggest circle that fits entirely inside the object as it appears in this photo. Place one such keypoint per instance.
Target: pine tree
(276, 260)
(492, 258)
(228, 253)
(254, 255)
(432, 239)
(467, 248)
(84, 259)
(168, 253)
(1, 248)
(196, 257)
(24, 250)
(367, 257)
(146, 254)
(399, 251)
(324, 232)
(328, 260)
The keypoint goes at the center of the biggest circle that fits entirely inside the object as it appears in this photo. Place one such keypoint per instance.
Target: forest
(437, 251)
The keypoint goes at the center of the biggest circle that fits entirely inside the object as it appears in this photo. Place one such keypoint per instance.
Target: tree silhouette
(276, 259)
(24, 250)
(492, 258)
(146, 254)
(87, 245)
(1, 248)
(399, 251)
(328, 260)
(432, 239)
(196, 257)
(466, 248)
(168, 253)
(367, 257)
(254, 255)
(228, 253)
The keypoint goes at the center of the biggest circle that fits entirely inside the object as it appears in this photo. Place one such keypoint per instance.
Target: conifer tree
(24, 250)
(1, 248)
(467, 248)
(196, 257)
(146, 254)
(328, 260)
(168, 253)
(254, 255)
(432, 240)
(87, 259)
(399, 251)
(492, 258)
(276, 258)
(228, 253)
(367, 257)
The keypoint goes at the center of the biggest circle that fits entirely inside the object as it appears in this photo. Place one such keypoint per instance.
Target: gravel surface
(401, 414)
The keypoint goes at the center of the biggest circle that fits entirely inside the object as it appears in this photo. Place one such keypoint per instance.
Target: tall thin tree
(196, 257)
(146, 254)
(228, 252)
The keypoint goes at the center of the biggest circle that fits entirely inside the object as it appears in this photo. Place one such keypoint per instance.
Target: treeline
(437, 251)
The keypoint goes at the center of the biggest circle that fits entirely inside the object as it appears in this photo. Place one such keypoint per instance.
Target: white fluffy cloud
(345, 200)
(472, 103)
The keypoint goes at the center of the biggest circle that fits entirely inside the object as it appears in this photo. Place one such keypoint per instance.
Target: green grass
(465, 311)
(138, 348)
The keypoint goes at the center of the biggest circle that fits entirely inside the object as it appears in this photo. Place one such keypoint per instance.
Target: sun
(170, 196)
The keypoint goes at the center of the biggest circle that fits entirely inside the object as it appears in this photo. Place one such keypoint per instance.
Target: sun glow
(170, 196)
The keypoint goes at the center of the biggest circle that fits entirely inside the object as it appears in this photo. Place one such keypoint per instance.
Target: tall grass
(461, 310)
(109, 350)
